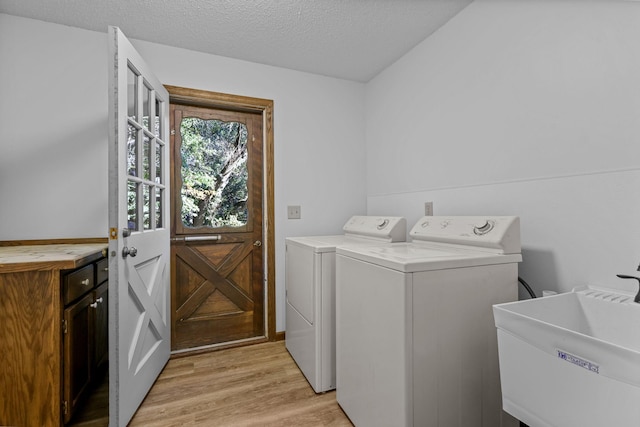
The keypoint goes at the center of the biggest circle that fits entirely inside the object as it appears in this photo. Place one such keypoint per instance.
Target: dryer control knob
(484, 228)
(382, 223)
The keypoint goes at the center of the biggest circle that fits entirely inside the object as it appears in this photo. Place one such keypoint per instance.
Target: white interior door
(139, 279)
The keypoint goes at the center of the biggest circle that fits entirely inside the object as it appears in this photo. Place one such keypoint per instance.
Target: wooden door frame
(203, 98)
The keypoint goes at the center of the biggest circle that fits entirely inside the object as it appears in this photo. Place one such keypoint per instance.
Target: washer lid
(409, 257)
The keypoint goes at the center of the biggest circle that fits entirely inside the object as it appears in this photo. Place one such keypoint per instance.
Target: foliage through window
(214, 173)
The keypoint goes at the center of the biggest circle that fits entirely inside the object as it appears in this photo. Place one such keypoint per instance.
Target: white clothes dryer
(310, 292)
(416, 341)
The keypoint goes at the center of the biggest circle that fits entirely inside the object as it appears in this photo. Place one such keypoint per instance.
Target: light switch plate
(428, 208)
(293, 212)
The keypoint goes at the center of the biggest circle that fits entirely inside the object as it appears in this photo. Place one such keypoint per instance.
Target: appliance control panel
(387, 228)
(495, 233)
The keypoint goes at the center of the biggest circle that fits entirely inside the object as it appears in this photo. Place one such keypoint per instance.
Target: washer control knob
(424, 224)
(483, 228)
(382, 223)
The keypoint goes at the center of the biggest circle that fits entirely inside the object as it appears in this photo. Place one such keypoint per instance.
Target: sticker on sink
(583, 363)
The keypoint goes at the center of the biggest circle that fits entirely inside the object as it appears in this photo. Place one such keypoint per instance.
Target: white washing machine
(416, 341)
(310, 292)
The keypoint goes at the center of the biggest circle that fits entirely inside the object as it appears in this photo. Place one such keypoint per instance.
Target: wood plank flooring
(256, 385)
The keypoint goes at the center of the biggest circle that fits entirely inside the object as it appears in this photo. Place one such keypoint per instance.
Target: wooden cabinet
(54, 330)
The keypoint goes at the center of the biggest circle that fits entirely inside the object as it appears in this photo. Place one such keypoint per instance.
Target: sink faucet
(623, 276)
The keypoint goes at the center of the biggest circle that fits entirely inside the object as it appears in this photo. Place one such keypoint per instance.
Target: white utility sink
(571, 360)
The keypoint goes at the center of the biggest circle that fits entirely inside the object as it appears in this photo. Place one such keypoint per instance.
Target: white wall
(53, 134)
(520, 107)
(53, 131)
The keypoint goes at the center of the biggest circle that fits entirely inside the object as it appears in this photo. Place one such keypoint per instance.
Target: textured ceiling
(349, 39)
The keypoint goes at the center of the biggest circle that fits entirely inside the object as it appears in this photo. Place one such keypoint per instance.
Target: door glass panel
(146, 103)
(159, 155)
(158, 120)
(132, 205)
(132, 90)
(214, 173)
(145, 207)
(146, 157)
(132, 150)
(158, 207)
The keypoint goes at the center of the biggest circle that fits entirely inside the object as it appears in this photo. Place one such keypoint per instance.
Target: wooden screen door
(139, 277)
(216, 250)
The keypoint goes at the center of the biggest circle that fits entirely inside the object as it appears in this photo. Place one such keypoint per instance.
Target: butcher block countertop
(49, 257)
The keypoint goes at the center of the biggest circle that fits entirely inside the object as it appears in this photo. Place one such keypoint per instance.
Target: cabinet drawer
(102, 270)
(77, 283)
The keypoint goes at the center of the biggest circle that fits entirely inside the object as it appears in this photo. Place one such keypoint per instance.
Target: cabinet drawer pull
(95, 304)
(85, 282)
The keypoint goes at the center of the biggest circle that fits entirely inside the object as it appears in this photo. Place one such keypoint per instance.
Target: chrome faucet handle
(624, 276)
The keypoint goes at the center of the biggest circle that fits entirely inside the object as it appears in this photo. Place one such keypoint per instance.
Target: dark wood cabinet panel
(78, 347)
(101, 327)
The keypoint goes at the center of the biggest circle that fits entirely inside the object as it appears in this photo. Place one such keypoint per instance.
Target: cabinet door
(101, 326)
(78, 346)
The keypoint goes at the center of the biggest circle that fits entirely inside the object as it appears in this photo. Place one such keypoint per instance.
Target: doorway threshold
(215, 347)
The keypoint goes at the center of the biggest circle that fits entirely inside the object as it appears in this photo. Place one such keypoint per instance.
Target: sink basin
(571, 359)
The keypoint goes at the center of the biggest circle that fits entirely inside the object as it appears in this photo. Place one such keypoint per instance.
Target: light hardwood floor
(257, 385)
